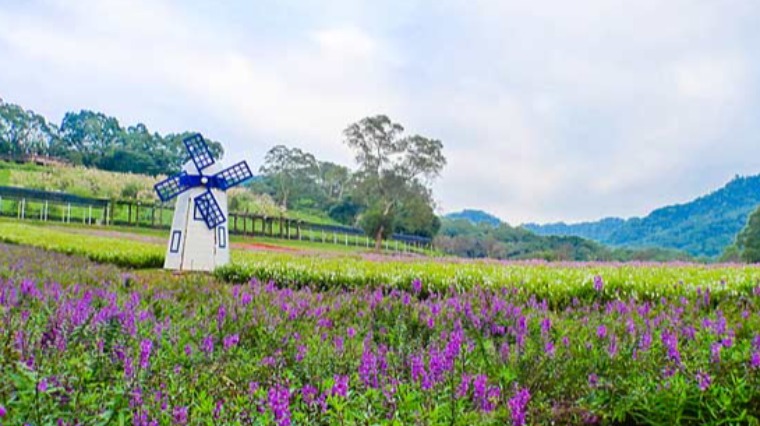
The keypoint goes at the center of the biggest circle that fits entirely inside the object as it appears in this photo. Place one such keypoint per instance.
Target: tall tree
(89, 136)
(23, 132)
(393, 170)
(748, 240)
(290, 168)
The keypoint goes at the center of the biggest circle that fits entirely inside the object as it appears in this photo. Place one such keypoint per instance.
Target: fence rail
(24, 203)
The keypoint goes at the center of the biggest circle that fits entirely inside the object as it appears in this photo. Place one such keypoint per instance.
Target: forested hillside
(92, 139)
(703, 227)
(464, 238)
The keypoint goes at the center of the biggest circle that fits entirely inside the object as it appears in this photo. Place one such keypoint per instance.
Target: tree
(92, 135)
(290, 168)
(748, 240)
(393, 170)
(23, 133)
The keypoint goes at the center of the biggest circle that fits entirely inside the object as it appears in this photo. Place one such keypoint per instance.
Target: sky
(548, 110)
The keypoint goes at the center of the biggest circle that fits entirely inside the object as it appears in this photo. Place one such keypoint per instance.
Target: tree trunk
(379, 238)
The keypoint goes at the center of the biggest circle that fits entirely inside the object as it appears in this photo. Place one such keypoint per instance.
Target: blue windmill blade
(209, 209)
(233, 175)
(172, 186)
(199, 152)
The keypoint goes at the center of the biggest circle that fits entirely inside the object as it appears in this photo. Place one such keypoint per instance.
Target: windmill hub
(199, 233)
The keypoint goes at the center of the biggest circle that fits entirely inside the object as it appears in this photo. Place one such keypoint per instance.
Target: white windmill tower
(199, 238)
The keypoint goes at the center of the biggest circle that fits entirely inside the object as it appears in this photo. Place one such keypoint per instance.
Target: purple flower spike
(598, 283)
(146, 346)
(179, 414)
(279, 402)
(517, 406)
(340, 388)
(417, 286)
(703, 380)
(754, 362)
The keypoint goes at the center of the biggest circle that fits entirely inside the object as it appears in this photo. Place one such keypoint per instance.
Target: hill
(475, 217)
(702, 227)
(463, 238)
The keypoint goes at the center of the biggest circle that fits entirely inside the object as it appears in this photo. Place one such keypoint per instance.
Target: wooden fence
(24, 203)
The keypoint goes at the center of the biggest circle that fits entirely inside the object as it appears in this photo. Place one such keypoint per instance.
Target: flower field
(86, 343)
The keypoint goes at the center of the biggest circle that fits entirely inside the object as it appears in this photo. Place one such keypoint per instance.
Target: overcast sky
(548, 110)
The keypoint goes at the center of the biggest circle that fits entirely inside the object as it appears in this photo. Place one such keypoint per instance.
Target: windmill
(199, 238)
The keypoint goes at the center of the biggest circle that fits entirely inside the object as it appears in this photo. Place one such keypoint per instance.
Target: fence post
(23, 207)
(137, 214)
(1, 206)
(107, 213)
(68, 213)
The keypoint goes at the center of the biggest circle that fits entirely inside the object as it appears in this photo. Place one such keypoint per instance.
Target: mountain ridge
(704, 226)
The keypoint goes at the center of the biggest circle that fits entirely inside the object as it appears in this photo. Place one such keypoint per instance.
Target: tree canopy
(748, 240)
(92, 139)
(394, 176)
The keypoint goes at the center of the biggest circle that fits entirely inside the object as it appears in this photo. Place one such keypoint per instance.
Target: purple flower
(351, 332)
(546, 325)
(612, 349)
(278, 398)
(308, 394)
(417, 286)
(670, 341)
(221, 314)
(253, 387)
(3, 413)
(464, 386)
(601, 331)
(179, 414)
(207, 345)
(340, 388)
(598, 283)
(517, 405)
(218, 408)
(754, 362)
(485, 396)
(703, 380)
(549, 348)
(593, 380)
(42, 386)
(246, 299)
(146, 346)
(230, 341)
(715, 349)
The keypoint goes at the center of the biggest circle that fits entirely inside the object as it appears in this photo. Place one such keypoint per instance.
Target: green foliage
(125, 253)
(23, 132)
(394, 176)
(587, 343)
(464, 238)
(92, 139)
(748, 240)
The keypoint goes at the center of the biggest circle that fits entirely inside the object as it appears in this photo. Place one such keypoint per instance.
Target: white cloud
(548, 110)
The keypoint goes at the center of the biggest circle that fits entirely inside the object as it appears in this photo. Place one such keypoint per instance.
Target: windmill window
(222, 238)
(176, 239)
